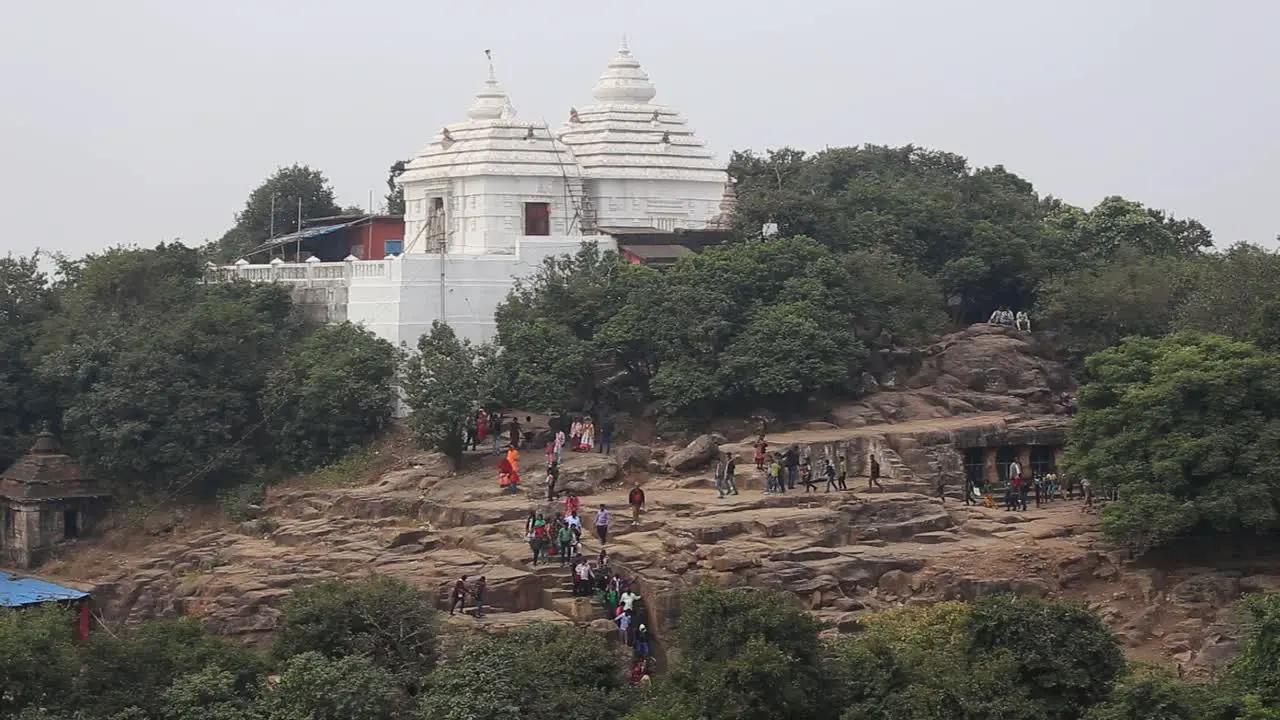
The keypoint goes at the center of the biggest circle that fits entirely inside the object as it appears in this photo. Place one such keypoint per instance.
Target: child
(806, 477)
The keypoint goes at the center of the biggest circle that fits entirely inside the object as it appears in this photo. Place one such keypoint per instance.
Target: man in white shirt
(628, 600)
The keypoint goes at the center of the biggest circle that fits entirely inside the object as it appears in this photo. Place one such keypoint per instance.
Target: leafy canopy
(1186, 427)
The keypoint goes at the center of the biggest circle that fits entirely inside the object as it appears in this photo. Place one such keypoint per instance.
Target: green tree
(1239, 296)
(37, 658)
(273, 207)
(25, 302)
(335, 391)
(1146, 693)
(163, 391)
(382, 618)
(1186, 428)
(445, 381)
(315, 687)
(209, 694)
(1256, 668)
(135, 669)
(746, 654)
(1063, 654)
(395, 193)
(1094, 307)
(917, 663)
(538, 672)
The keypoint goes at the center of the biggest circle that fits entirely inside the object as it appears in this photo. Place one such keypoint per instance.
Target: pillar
(1057, 460)
(991, 472)
(1024, 459)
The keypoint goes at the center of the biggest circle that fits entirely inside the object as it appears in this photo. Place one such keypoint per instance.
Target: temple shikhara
(492, 195)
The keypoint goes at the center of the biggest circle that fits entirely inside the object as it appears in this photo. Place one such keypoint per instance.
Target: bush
(381, 618)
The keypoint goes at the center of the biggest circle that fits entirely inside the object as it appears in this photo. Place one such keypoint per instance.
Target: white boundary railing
(311, 272)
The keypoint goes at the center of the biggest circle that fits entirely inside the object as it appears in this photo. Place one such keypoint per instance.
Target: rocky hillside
(842, 554)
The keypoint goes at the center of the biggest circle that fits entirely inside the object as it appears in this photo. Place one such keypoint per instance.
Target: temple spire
(624, 81)
(492, 102)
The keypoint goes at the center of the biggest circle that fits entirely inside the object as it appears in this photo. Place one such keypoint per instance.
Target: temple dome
(491, 141)
(625, 136)
(623, 81)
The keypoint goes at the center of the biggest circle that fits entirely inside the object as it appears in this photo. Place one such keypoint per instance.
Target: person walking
(458, 598)
(873, 477)
(479, 594)
(635, 499)
(829, 473)
(730, 467)
(602, 525)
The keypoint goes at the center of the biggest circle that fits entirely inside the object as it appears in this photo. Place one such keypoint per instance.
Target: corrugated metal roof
(304, 234)
(20, 591)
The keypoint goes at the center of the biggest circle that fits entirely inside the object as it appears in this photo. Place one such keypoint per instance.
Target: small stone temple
(46, 501)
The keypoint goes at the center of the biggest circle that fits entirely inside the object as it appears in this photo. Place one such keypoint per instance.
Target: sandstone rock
(732, 563)
(408, 537)
(584, 475)
(895, 582)
(695, 455)
(634, 456)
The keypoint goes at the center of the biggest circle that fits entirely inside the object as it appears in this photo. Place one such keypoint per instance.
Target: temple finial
(488, 55)
(623, 47)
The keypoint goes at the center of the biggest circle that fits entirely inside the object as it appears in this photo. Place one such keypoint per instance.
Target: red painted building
(332, 239)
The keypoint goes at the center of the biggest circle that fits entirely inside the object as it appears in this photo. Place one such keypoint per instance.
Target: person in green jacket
(564, 538)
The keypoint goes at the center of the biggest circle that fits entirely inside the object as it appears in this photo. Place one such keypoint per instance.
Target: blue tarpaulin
(20, 591)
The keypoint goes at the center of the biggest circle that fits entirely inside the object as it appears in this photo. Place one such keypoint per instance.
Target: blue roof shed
(22, 591)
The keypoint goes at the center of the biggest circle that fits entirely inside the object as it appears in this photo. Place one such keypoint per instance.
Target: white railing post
(311, 264)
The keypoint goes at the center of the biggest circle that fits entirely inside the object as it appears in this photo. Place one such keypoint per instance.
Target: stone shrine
(46, 500)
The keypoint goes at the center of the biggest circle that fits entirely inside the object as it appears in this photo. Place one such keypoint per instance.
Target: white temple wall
(662, 204)
(398, 299)
(485, 214)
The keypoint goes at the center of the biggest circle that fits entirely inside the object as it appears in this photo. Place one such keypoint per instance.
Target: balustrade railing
(310, 272)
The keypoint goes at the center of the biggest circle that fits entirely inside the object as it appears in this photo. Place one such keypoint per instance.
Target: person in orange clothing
(509, 472)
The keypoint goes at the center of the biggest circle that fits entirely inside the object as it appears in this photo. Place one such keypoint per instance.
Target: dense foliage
(354, 650)
(162, 383)
(443, 382)
(275, 207)
(1187, 428)
(770, 321)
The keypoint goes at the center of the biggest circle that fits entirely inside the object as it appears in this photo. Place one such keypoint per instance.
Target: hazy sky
(136, 121)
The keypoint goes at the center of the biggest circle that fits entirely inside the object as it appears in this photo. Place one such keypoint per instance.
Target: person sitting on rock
(1023, 321)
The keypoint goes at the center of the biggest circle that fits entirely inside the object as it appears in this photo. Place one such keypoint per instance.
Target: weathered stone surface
(633, 456)
(695, 455)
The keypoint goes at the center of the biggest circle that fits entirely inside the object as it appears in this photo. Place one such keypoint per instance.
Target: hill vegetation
(167, 386)
(367, 650)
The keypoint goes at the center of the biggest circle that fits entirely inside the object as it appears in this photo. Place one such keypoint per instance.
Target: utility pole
(297, 244)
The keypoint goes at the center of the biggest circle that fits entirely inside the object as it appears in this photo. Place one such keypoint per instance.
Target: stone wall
(320, 305)
(39, 528)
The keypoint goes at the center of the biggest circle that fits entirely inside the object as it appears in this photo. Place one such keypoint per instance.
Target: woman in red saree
(509, 471)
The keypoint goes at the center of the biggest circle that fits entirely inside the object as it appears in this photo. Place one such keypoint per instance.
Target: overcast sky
(136, 121)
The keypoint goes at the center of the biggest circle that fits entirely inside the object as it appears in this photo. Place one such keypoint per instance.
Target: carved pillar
(991, 472)
(1024, 459)
(1057, 460)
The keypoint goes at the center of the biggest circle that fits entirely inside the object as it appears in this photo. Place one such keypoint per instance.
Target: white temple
(491, 196)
